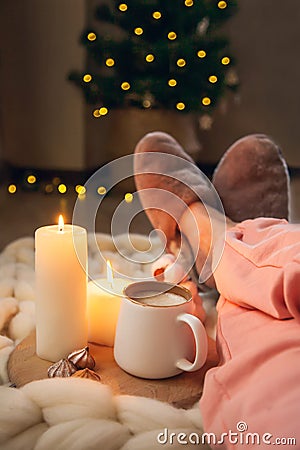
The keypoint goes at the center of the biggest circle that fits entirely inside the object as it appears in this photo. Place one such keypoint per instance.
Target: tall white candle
(61, 290)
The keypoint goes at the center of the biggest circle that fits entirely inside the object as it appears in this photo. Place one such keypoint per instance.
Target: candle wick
(61, 224)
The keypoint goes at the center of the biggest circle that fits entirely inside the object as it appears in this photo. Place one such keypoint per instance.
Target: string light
(201, 54)
(103, 111)
(128, 197)
(123, 7)
(125, 86)
(150, 57)
(181, 62)
(213, 79)
(62, 188)
(206, 101)
(31, 179)
(87, 78)
(101, 190)
(225, 60)
(231, 77)
(172, 82)
(172, 35)
(156, 15)
(91, 36)
(205, 122)
(12, 188)
(138, 31)
(56, 181)
(131, 91)
(81, 190)
(110, 62)
(96, 113)
(222, 5)
(180, 106)
(48, 188)
(100, 112)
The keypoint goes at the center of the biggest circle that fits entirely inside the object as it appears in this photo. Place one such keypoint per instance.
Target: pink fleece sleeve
(257, 380)
(260, 267)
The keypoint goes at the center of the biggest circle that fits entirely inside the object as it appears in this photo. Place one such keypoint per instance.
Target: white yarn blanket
(78, 414)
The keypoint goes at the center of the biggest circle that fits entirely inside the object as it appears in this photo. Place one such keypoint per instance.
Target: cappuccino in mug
(157, 334)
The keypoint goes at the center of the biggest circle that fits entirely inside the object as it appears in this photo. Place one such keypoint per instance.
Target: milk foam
(166, 299)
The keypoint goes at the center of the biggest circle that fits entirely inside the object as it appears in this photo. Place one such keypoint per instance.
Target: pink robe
(258, 379)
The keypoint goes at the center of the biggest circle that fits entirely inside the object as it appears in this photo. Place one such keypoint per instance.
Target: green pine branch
(133, 62)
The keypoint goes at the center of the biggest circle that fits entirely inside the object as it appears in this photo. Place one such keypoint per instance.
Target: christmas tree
(157, 54)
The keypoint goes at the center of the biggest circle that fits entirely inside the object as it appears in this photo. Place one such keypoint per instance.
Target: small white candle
(61, 290)
(104, 300)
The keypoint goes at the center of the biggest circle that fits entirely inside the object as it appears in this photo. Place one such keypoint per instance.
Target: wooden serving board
(182, 390)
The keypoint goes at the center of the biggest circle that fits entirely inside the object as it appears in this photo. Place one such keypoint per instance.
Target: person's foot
(252, 180)
(166, 185)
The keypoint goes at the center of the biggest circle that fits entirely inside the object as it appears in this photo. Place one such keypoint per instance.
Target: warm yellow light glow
(181, 62)
(56, 181)
(48, 188)
(110, 62)
(213, 79)
(206, 101)
(128, 197)
(101, 190)
(205, 122)
(172, 82)
(222, 5)
(103, 111)
(109, 273)
(123, 7)
(125, 86)
(225, 60)
(156, 15)
(138, 31)
(12, 188)
(80, 189)
(62, 188)
(180, 106)
(172, 35)
(188, 2)
(201, 54)
(231, 77)
(91, 37)
(150, 57)
(87, 78)
(31, 179)
(61, 224)
(146, 104)
(96, 113)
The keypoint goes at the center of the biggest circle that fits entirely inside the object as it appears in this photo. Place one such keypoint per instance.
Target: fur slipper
(166, 184)
(252, 180)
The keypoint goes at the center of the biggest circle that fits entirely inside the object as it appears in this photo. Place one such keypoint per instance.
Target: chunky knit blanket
(78, 414)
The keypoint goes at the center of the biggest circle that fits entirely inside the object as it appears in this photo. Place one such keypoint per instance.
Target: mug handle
(201, 343)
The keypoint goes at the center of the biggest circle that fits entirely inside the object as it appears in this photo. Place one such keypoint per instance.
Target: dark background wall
(42, 121)
(265, 37)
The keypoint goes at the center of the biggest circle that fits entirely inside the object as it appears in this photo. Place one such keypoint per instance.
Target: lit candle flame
(109, 273)
(61, 224)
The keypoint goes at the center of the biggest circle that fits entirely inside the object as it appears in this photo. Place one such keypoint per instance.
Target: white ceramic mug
(162, 339)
